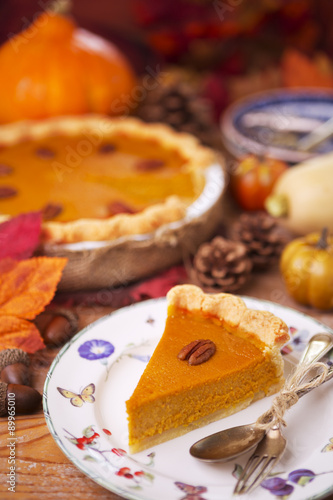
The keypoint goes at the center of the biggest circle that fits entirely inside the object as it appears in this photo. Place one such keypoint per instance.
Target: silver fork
(271, 448)
(262, 461)
(268, 452)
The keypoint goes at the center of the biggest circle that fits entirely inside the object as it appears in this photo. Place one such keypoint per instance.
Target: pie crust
(195, 157)
(233, 313)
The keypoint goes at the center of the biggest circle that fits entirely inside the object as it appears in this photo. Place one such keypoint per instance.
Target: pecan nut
(5, 169)
(149, 165)
(119, 207)
(7, 192)
(51, 210)
(45, 153)
(107, 148)
(197, 352)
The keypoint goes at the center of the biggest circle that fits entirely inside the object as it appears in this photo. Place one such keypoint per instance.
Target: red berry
(91, 438)
(82, 440)
(123, 471)
(118, 451)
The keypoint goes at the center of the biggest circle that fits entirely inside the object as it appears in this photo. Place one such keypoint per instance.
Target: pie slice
(174, 395)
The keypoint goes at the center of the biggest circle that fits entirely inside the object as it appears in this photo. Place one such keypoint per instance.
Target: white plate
(94, 435)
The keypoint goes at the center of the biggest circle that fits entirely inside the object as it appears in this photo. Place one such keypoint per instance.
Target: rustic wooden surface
(42, 470)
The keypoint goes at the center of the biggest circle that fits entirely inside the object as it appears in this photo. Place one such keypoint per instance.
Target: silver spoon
(316, 137)
(229, 443)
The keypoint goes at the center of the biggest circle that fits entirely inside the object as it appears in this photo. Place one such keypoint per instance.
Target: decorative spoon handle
(318, 346)
(317, 136)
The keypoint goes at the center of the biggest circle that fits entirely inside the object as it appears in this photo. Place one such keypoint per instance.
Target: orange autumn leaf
(20, 333)
(26, 288)
(298, 70)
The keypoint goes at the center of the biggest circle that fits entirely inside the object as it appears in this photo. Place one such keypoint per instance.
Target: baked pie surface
(95, 178)
(173, 397)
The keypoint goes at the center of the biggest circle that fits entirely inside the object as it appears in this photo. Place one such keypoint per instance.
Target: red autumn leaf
(158, 286)
(26, 287)
(19, 236)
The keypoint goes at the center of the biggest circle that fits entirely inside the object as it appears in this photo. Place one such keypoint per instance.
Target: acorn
(14, 366)
(61, 328)
(25, 399)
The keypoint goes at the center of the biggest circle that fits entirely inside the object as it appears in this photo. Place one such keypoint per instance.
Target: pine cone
(221, 265)
(179, 105)
(262, 236)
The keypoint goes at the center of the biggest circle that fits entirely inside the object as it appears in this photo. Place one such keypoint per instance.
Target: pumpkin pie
(96, 178)
(216, 356)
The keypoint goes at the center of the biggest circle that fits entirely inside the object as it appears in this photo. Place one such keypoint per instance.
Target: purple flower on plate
(192, 492)
(300, 339)
(301, 476)
(96, 349)
(277, 486)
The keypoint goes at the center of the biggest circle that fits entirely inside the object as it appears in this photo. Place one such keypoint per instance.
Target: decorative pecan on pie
(96, 178)
(197, 352)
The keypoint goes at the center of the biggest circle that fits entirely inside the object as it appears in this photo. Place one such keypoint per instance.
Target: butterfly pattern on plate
(329, 446)
(85, 396)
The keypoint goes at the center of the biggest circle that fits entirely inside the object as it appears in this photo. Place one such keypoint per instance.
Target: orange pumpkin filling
(174, 397)
(82, 177)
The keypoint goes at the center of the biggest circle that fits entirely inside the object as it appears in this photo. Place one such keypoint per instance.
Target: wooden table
(42, 470)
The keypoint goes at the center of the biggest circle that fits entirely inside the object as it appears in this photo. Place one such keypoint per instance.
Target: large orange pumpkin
(55, 68)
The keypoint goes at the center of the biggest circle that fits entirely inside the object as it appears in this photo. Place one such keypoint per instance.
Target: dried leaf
(154, 287)
(19, 236)
(298, 70)
(159, 285)
(26, 287)
(29, 285)
(17, 332)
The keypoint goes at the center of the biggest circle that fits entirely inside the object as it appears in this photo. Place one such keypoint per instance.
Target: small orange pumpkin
(54, 68)
(307, 269)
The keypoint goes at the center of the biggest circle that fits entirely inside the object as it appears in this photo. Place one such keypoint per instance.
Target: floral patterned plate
(95, 373)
